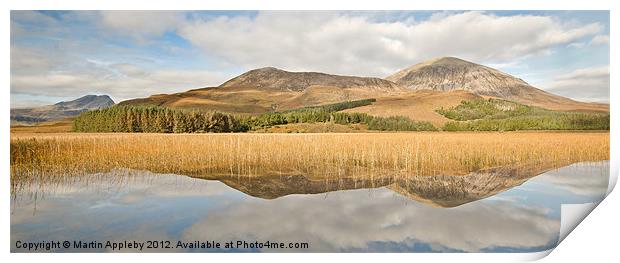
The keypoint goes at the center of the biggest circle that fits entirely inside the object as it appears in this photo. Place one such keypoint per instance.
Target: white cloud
(140, 24)
(132, 82)
(594, 72)
(586, 84)
(597, 40)
(346, 44)
(71, 56)
(29, 59)
(27, 103)
(587, 179)
(600, 40)
(577, 45)
(129, 70)
(343, 221)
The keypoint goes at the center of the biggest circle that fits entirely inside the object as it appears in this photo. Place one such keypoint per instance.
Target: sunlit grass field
(317, 155)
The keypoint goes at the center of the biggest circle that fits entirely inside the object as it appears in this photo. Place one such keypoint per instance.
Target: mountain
(415, 92)
(449, 73)
(262, 90)
(88, 102)
(444, 190)
(61, 109)
(276, 79)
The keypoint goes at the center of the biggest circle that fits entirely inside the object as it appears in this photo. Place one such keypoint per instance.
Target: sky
(63, 55)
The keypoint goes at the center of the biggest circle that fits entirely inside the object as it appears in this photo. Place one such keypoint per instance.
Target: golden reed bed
(318, 155)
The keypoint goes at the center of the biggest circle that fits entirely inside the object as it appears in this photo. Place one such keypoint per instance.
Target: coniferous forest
(156, 119)
(476, 115)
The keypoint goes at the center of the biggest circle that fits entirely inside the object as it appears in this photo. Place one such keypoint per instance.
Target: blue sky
(64, 55)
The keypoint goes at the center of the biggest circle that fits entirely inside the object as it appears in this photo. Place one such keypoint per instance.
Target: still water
(489, 211)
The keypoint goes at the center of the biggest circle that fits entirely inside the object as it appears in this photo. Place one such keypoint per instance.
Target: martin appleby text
(136, 246)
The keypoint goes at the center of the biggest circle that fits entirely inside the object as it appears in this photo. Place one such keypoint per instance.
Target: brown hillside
(280, 80)
(415, 92)
(262, 90)
(448, 73)
(417, 105)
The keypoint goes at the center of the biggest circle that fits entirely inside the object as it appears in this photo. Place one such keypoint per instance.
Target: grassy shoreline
(315, 154)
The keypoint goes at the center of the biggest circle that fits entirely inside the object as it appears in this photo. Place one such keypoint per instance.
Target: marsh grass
(41, 156)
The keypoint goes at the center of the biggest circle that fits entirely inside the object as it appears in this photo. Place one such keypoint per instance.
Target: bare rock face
(276, 79)
(448, 73)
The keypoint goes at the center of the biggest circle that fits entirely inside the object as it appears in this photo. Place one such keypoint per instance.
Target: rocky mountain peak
(450, 73)
(88, 102)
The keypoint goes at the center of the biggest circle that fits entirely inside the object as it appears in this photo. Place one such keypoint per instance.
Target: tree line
(336, 106)
(502, 115)
(559, 121)
(488, 109)
(480, 115)
(156, 119)
(332, 113)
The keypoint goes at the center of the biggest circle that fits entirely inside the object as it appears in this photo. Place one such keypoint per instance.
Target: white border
(581, 248)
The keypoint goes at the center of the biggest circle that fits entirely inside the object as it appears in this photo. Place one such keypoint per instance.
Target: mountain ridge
(450, 73)
(415, 92)
(282, 80)
(61, 110)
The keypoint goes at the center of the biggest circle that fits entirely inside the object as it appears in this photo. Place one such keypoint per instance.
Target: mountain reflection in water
(439, 190)
(499, 209)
